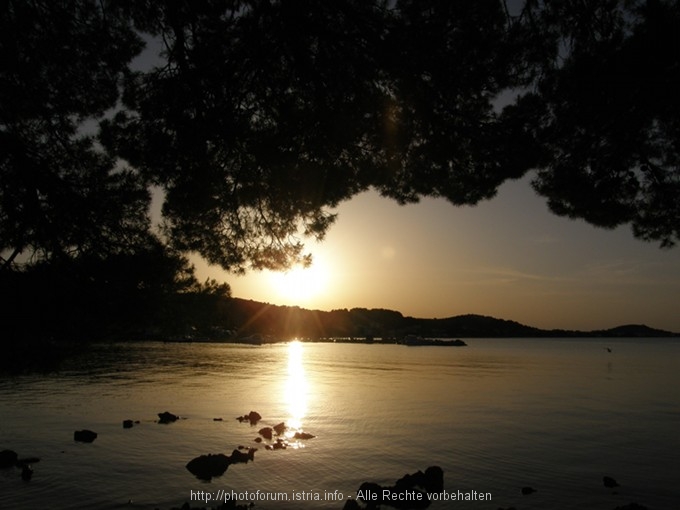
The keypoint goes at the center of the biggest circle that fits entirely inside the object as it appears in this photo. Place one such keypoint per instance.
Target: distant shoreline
(254, 317)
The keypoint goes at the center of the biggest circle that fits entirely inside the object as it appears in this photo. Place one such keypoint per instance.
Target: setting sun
(301, 284)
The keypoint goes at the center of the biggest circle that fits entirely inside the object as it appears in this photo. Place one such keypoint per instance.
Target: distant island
(242, 318)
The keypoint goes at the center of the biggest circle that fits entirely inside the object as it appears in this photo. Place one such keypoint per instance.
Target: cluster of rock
(607, 481)
(280, 443)
(208, 466)
(10, 459)
(418, 485)
(253, 417)
(88, 436)
(205, 467)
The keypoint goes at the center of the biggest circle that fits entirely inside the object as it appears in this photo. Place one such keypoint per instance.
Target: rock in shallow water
(252, 417)
(245, 457)
(8, 458)
(266, 432)
(167, 417)
(609, 482)
(26, 473)
(84, 436)
(408, 493)
(303, 435)
(207, 466)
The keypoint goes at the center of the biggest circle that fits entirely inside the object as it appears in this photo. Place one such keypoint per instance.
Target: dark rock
(374, 493)
(84, 436)
(277, 445)
(217, 419)
(609, 482)
(167, 417)
(207, 466)
(351, 504)
(252, 417)
(434, 479)
(8, 458)
(409, 481)
(416, 500)
(239, 456)
(528, 490)
(258, 440)
(280, 428)
(127, 424)
(303, 435)
(266, 432)
(374, 496)
(26, 473)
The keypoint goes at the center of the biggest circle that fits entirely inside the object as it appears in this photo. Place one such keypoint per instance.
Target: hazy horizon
(507, 257)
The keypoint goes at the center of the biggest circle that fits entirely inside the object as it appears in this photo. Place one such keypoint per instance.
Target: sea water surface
(497, 415)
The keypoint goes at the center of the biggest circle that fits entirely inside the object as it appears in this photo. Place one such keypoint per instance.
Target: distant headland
(247, 317)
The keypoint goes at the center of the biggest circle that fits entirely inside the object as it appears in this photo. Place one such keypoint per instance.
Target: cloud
(506, 275)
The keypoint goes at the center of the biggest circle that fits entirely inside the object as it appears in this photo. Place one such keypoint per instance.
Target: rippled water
(497, 415)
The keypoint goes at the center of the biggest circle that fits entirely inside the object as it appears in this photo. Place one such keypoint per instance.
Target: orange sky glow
(507, 257)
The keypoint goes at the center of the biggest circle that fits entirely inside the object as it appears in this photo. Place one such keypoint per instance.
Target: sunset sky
(508, 258)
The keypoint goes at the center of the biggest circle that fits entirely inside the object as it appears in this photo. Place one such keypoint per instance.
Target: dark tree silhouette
(609, 118)
(261, 116)
(60, 194)
(266, 114)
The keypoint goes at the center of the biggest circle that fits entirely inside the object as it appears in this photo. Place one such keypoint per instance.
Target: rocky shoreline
(411, 492)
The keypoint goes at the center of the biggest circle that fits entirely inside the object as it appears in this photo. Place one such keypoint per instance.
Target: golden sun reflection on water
(296, 388)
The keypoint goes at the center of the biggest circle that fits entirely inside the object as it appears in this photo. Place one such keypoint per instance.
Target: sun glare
(295, 391)
(301, 284)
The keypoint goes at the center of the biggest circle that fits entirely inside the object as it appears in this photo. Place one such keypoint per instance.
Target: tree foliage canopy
(263, 115)
(60, 194)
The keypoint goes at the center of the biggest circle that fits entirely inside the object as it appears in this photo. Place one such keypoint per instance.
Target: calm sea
(498, 415)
